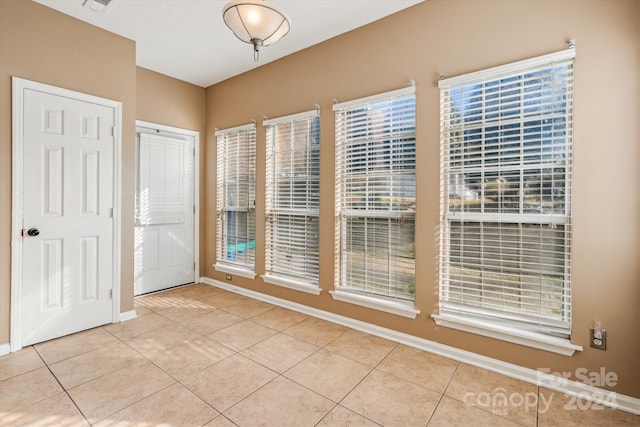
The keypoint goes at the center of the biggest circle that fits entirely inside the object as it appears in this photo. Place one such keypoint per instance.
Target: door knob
(33, 232)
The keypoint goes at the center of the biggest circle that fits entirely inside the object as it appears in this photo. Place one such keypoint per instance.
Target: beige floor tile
(420, 367)
(138, 326)
(179, 314)
(220, 421)
(57, 410)
(451, 412)
(211, 322)
(228, 381)
(161, 339)
(493, 392)
(73, 345)
(559, 410)
(316, 331)
(391, 401)
(141, 311)
(25, 389)
(116, 390)
(279, 318)
(224, 299)
(361, 347)
(88, 366)
(329, 374)
(190, 357)
(280, 403)
(162, 301)
(280, 352)
(242, 335)
(340, 416)
(249, 308)
(17, 363)
(172, 406)
(139, 307)
(198, 291)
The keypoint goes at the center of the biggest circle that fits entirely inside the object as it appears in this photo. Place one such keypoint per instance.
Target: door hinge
(194, 208)
(110, 293)
(110, 212)
(194, 151)
(113, 131)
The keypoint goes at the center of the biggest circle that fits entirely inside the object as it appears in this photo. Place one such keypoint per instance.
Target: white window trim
(238, 271)
(376, 302)
(380, 304)
(496, 72)
(273, 278)
(507, 333)
(291, 117)
(491, 328)
(248, 126)
(405, 91)
(296, 285)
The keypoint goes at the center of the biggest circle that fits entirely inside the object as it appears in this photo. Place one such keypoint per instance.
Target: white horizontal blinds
(293, 196)
(236, 188)
(164, 184)
(506, 184)
(376, 195)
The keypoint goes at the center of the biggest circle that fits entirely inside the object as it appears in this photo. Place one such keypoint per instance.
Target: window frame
(343, 290)
(489, 322)
(245, 134)
(306, 279)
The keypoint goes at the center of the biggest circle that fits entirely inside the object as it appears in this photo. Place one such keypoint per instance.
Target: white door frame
(196, 184)
(19, 85)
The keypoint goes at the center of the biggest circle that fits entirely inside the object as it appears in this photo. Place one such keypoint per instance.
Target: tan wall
(171, 102)
(40, 44)
(455, 37)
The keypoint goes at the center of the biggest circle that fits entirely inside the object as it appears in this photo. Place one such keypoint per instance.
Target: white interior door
(165, 212)
(68, 200)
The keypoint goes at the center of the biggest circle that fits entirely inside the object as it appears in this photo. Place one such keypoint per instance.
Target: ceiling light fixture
(256, 22)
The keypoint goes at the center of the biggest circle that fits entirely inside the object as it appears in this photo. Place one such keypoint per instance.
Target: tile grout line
(444, 390)
(64, 390)
(362, 379)
(473, 406)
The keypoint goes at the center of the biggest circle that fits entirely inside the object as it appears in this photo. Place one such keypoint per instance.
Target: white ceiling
(188, 40)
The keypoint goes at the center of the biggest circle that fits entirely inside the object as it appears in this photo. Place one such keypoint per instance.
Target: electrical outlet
(228, 277)
(598, 342)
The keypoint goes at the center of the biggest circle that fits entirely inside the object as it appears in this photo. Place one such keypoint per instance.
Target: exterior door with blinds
(165, 211)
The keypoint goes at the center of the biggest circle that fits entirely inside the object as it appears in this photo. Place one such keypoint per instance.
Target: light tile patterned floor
(198, 355)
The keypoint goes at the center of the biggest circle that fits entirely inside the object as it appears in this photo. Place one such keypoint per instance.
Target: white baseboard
(5, 349)
(532, 376)
(128, 315)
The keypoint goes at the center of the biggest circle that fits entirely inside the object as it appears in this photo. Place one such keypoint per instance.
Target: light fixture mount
(256, 22)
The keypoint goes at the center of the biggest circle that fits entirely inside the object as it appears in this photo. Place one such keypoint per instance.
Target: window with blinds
(376, 195)
(293, 197)
(506, 158)
(236, 189)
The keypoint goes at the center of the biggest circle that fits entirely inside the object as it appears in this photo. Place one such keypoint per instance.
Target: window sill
(238, 271)
(296, 285)
(392, 307)
(507, 333)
